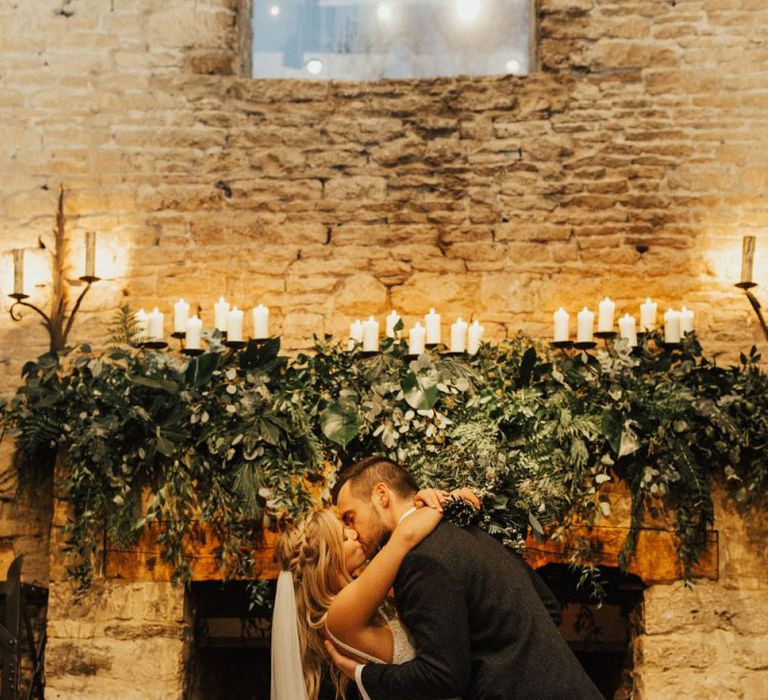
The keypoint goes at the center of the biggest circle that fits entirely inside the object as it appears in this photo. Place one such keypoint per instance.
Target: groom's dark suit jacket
(479, 628)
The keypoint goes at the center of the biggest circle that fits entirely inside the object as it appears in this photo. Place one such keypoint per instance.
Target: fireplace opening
(229, 654)
(600, 635)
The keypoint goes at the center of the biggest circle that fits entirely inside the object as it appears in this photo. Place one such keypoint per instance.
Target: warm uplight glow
(274, 10)
(467, 11)
(314, 66)
(512, 65)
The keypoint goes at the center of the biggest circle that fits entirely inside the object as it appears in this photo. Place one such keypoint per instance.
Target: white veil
(287, 672)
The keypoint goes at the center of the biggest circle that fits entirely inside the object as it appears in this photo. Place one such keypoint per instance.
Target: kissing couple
(470, 619)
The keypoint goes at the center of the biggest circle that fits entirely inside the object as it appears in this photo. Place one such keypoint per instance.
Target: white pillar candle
(747, 258)
(194, 330)
(475, 333)
(672, 326)
(142, 324)
(220, 311)
(18, 271)
(561, 325)
(370, 335)
(606, 309)
(235, 324)
(416, 339)
(459, 336)
(432, 323)
(180, 316)
(648, 316)
(155, 321)
(392, 320)
(355, 334)
(586, 322)
(627, 329)
(260, 322)
(90, 253)
(686, 321)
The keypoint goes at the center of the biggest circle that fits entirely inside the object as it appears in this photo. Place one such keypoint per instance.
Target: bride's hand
(431, 498)
(467, 495)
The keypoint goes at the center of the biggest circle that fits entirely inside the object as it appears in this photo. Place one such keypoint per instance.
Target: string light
(468, 10)
(314, 66)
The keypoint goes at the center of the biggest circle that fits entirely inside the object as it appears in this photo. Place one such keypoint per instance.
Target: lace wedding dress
(402, 647)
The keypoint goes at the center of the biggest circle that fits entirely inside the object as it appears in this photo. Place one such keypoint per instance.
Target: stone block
(360, 296)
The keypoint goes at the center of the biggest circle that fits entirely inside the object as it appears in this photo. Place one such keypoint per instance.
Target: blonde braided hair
(312, 551)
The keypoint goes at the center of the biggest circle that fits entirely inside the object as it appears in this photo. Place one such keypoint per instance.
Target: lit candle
(606, 309)
(155, 321)
(416, 339)
(355, 334)
(561, 325)
(672, 326)
(370, 335)
(220, 311)
(747, 258)
(459, 336)
(432, 323)
(586, 320)
(18, 271)
(648, 316)
(686, 321)
(180, 316)
(194, 330)
(392, 320)
(142, 324)
(235, 324)
(261, 322)
(475, 333)
(627, 329)
(90, 253)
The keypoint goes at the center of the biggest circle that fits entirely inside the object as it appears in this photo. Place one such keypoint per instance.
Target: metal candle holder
(747, 286)
(57, 322)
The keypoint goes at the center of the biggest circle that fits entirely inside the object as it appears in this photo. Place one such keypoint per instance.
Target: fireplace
(600, 635)
(229, 653)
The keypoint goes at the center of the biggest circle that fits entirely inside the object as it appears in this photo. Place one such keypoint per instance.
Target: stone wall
(710, 641)
(631, 165)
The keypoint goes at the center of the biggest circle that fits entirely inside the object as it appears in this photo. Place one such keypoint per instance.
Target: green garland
(244, 439)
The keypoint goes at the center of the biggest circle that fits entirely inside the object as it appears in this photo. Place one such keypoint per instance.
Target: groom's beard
(380, 537)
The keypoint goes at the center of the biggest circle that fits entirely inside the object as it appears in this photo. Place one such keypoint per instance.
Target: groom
(479, 628)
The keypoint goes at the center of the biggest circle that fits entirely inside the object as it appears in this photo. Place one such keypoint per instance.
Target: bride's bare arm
(352, 609)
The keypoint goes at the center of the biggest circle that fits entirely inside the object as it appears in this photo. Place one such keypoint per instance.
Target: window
(373, 39)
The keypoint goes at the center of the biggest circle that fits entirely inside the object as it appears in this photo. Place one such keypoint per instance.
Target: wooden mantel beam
(655, 560)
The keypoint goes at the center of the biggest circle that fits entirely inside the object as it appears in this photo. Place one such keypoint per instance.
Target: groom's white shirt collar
(408, 512)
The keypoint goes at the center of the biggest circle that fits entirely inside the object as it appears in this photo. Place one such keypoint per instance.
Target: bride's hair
(312, 551)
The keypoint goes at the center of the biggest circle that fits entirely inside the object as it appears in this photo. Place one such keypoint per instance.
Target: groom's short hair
(366, 473)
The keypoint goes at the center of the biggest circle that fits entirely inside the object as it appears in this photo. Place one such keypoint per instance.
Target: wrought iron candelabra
(747, 259)
(58, 322)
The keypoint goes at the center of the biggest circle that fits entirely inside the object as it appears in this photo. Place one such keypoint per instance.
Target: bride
(318, 599)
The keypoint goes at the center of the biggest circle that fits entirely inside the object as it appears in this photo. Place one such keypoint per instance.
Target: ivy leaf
(526, 368)
(421, 392)
(340, 422)
(613, 425)
(154, 383)
(201, 368)
(259, 353)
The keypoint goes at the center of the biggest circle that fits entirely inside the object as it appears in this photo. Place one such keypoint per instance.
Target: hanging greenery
(243, 439)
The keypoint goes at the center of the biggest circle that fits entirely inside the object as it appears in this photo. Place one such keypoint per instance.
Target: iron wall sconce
(58, 323)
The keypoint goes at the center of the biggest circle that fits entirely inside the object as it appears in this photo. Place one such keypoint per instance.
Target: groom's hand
(346, 665)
